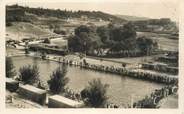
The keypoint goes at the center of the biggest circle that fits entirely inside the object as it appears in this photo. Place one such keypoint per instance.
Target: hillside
(17, 13)
(25, 22)
(28, 22)
(132, 18)
(20, 30)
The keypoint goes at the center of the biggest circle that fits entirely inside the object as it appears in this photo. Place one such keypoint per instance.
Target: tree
(73, 44)
(78, 43)
(84, 40)
(29, 74)
(146, 45)
(83, 28)
(124, 37)
(10, 69)
(58, 80)
(116, 39)
(103, 32)
(95, 93)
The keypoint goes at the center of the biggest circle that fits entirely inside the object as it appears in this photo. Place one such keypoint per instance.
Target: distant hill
(24, 22)
(17, 13)
(132, 18)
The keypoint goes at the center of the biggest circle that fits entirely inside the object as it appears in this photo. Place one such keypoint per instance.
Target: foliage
(58, 80)
(85, 40)
(162, 25)
(10, 71)
(84, 29)
(103, 33)
(123, 38)
(123, 32)
(114, 38)
(95, 93)
(55, 13)
(17, 15)
(146, 45)
(29, 74)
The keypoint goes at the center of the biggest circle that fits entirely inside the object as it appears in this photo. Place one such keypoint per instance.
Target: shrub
(10, 71)
(146, 45)
(95, 94)
(29, 74)
(58, 80)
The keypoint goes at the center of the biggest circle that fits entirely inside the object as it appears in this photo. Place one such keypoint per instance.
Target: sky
(159, 9)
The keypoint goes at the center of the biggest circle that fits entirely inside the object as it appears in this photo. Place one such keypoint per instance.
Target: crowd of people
(150, 101)
(111, 105)
(126, 53)
(123, 71)
(69, 93)
(153, 100)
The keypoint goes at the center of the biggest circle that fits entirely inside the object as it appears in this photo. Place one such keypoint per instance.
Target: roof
(66, 101)
(33, 89)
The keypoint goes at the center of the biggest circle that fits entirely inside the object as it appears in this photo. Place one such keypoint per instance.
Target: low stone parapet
(33, 93)
(12, 85)
(58, 101)
(161, 68)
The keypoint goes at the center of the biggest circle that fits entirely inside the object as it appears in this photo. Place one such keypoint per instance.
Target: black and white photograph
(92, 55)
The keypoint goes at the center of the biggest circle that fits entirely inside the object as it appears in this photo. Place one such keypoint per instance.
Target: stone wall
(57, 101)
(11, 84)
(33, 93)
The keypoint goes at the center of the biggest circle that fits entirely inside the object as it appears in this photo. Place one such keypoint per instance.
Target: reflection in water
(120, 91)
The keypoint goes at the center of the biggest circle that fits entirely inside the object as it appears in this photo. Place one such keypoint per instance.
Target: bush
(58, 80)
(146, 45)
(29, 74)
(95, 94)
(10, 71)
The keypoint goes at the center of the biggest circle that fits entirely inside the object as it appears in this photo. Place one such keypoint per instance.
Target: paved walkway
(169, 102)
(13, 100)
(156, 73)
